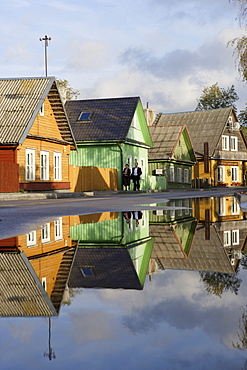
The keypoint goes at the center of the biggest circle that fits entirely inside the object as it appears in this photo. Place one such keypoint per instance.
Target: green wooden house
(112, 253)
(110, 133)
(172, 155)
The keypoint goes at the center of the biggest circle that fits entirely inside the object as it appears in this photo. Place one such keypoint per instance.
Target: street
(22, 216)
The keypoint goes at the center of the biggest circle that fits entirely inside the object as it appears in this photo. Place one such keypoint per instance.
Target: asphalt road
(22, 216)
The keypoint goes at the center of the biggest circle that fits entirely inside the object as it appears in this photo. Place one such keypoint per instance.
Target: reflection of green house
(110, 133)
(172, 155)
(111, 254)
(173, 231)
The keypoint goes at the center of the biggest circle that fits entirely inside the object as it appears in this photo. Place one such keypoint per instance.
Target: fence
(93, 178)
(9, 177)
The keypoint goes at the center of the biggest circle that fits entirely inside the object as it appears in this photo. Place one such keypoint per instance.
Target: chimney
(150, 115)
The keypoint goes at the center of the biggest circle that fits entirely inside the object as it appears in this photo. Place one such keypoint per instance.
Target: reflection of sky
(172, 324)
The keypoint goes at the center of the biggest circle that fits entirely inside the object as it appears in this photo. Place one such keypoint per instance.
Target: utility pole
(46, 39)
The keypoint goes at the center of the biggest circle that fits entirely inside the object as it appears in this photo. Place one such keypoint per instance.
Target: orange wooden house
(35, 136)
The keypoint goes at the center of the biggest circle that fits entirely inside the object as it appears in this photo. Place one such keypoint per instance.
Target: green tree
(214, 97)
(217, 283)
(70, 92)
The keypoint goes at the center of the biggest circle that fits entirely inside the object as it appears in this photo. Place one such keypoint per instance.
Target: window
(221, 174)
(42, 110)
(129, 161)
(235, 237)
(179, 174)
(134, 121)
(84, 116)
(57, 166)
(30, 164)
(142, 165)
(234, 143)
(227, 238)
(172, 174)
(186, 175)
(235, 206)
(44, 165)
(222, 206)
(45, 233)
(31, 239)
(172, 211)
(225, 142)
(234, 173)
(43, 282)
(87, 271)
(58, 229)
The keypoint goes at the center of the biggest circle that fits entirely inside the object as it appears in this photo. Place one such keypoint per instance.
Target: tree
(242, 336)
(214, 97)
(217, 283)
(240, 43)
(70, 92)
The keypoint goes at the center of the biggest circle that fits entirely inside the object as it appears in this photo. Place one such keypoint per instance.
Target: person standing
(136, 174)
(126, 176)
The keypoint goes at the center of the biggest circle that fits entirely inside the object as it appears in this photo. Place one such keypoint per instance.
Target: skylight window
(84, 116)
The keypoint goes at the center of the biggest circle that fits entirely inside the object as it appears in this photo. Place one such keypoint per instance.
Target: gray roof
(205, 255)
(110, 119)
(20, 103)
(165, 139)
(21, 293)
(203, 126)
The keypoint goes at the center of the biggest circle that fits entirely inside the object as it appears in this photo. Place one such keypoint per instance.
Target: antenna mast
(46, 39)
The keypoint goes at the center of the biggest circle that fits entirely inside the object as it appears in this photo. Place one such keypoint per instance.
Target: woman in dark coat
(126, 176)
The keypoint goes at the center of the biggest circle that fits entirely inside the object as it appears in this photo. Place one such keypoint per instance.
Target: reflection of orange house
(50, 253)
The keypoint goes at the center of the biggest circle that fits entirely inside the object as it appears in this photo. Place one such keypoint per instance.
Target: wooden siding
(8, 155)
(46, 125)
(93, 178)
(9, 179)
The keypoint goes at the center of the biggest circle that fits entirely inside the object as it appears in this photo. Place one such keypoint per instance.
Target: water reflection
(45, 271)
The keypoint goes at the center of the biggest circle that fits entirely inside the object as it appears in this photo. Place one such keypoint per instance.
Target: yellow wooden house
(35, 136)
(219, 145)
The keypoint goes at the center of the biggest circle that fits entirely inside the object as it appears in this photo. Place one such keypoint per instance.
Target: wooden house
(219, 145)
(172, 155)
(35, 136)
(109, 133)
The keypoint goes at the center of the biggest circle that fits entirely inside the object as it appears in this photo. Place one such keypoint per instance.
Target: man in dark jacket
(136, 174)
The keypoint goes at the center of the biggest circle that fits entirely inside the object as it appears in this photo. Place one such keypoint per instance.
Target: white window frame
(221, 173)
(186, 175)
(129, 161)
(235, 237)
(57, 166)
(45, 233)
(31, 238)
(171, 174)
(235, 206)
(225, 142)
(179, 174)
(227, 238)
(234, 143)
(222, 206)
(58, 229)
(234, 173)
(42, 110)
(30, 164)
(143, 168)
(43, 282)
(135, 120)
(44, 165)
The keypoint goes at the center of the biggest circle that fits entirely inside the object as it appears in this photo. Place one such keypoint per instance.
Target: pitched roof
(110, 119)
(20, 103)
(165, 139)
(203, 126)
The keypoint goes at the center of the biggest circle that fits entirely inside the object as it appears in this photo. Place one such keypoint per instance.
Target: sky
(172, 324)
(164, 51)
